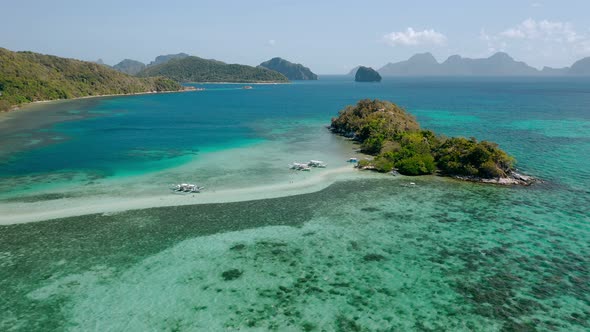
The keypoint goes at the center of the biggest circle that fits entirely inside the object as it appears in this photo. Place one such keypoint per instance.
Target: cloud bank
(410, 37)
(547, 39)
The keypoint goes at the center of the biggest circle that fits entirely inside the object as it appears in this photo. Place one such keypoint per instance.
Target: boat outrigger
(307, 166)
(187, 188)
(300, 167)
(317, 163)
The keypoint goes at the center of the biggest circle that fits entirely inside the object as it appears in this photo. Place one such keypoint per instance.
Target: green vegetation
(195, 69)
(395, 139)
(26, 77)
(293, 71)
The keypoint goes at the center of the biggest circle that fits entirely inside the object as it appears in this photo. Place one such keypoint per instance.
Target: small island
(367, 74)
(395, 138)
(293, 71)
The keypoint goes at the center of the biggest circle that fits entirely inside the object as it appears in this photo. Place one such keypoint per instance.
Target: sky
(330, 37)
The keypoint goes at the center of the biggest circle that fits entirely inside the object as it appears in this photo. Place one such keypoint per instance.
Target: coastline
(240, 83)
(23, 106)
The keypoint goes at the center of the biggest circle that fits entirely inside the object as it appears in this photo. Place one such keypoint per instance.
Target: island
(130, 67)
(195, 69)
(395, 139)
(29, 77)
(293, 71)
(367, 74)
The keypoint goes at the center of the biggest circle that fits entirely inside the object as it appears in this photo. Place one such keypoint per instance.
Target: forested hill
(195, 69)
(392, 135)
(293, 71)
(26, 77)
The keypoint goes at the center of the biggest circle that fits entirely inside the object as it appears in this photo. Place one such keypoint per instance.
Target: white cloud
(410, 37)
(540, 41)
(271, 42)
(544, 30)
(536, 4)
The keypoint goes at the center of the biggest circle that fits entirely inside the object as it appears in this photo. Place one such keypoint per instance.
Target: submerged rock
(231, 274)
(512, 178)
(373, 258)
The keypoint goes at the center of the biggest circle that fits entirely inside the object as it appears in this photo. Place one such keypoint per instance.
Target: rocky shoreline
(514, 178)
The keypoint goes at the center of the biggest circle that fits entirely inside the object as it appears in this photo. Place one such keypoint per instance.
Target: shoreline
(240, 83)
(37, 102)
(25, 212)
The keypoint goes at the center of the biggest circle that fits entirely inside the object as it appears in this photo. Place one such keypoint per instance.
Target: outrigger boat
(300, 166)
(187, 188)
(317, 163)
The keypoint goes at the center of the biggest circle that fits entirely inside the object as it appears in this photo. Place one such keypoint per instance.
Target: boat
(187, 188)
(317, 163)
(352, 160)
(300, 166)
(247, 87)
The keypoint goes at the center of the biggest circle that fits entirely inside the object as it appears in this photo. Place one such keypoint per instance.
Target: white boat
(317, 163)
(187, 188)
(352, 160)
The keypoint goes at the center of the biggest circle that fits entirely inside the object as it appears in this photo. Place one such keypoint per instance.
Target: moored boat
(317, 163)
(187, 188)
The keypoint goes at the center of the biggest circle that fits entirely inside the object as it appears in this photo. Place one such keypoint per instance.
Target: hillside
(26, 77)
(580, 68)
(394, 137)
(195, 69)
(293, 71)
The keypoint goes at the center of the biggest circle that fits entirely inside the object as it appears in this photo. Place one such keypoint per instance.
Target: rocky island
(367, 74)
(395, 138)
(293, 71)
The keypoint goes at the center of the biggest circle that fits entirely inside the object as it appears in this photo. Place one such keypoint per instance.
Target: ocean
(350, 251)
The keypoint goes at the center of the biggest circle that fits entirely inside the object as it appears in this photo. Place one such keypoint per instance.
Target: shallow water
(372, 254)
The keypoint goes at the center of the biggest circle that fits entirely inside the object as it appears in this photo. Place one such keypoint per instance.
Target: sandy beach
(23, 212)
(27, 105)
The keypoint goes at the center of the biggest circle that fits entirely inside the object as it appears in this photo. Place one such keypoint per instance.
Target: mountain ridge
(195, 69)
(500, 64)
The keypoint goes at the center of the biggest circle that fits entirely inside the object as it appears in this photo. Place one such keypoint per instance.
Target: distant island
(130, 67)
(160, 59)
(293, 71)
(367, 74)
(395, 138)
(195, 69)
(28, 77)
(352, 72)
(499, 64)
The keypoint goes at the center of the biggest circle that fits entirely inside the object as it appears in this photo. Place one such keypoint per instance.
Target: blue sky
(330, 37)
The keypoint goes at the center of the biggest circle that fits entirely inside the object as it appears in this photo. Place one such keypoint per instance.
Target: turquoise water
(361, 255)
